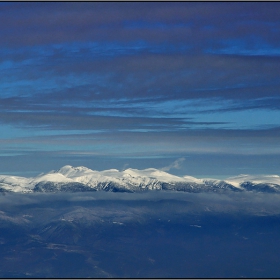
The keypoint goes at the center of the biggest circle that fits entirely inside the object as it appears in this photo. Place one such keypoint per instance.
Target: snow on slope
(133, 177)
(129, 178)
(15, 183)
(75, 172)
(256, 179)
(272, 181)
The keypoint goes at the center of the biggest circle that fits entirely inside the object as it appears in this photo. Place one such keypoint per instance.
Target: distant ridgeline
(82, 179)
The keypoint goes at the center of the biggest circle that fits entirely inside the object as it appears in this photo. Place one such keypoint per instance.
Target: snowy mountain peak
(69, 170)
(153, 173)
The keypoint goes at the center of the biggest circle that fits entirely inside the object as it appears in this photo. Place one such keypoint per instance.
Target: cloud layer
(139, 78)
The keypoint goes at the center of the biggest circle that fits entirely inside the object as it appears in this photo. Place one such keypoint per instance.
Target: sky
(191, 88)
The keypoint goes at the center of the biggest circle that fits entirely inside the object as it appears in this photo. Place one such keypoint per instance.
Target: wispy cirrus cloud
(176, 164)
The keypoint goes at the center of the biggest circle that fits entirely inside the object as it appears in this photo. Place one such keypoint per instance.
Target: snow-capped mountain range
(81, 179)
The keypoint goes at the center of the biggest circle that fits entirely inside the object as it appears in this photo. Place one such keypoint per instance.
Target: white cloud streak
(174, 165)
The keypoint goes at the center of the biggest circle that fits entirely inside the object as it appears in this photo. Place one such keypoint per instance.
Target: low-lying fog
(250, 203)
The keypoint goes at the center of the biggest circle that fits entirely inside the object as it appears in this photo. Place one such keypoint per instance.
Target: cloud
(192, 23)
(71, 76)
(125, 166)
(140, 78)
(152, 203)
(176, 164)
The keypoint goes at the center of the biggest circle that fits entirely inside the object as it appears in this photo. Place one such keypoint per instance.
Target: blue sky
(190, 87)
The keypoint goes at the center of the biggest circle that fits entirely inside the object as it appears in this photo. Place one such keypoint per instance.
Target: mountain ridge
(81, 178)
